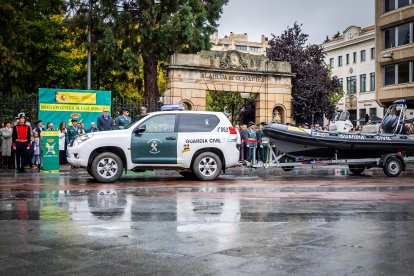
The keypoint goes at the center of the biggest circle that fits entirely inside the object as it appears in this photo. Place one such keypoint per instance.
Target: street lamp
(244, 95)
(89, 74)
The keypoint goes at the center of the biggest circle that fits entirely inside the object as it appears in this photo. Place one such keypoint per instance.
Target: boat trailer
(392, 163)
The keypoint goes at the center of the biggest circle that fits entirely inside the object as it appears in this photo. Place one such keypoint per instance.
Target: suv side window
(197, 122)
(160, 124)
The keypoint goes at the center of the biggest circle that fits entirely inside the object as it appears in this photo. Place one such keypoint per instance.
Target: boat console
(341, 122)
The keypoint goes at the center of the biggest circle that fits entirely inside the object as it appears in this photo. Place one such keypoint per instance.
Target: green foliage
(337, 92)
(314, 91)
(166, 27)
(43, 43)
(229, 102)
(30, 37)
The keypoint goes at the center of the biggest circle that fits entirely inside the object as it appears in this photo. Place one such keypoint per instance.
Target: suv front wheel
(207, 166)
(106, 167)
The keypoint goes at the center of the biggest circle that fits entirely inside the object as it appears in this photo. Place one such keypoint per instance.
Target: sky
(319, 17)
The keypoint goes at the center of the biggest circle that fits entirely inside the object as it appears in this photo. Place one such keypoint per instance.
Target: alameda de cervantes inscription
(222, 76)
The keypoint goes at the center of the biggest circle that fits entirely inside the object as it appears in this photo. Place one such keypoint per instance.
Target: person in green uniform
(72, 131)
(123, 120)
(264, 143)
(251, 141)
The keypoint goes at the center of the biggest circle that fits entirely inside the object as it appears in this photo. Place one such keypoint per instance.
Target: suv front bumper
(75, 157)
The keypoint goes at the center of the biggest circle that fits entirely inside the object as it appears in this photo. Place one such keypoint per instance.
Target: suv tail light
(233, 134)
(233, 130)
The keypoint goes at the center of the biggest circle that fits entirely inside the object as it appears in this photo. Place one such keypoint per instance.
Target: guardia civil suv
(196, 144)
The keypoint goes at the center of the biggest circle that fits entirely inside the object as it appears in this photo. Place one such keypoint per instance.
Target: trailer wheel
(393, 167)
(287, 159)
(357, 169)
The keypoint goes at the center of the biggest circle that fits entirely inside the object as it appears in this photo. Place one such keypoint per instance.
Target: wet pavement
(310, 221)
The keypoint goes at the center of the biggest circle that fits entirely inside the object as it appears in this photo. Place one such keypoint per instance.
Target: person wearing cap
(93, 128)
(21, 142)
(73, 131)
(123, 120)
(40, 127)
(105, 122)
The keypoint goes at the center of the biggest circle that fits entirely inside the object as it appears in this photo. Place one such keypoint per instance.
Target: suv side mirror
(140, 128)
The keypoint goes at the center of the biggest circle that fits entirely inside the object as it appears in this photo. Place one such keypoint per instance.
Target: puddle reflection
(125, 205)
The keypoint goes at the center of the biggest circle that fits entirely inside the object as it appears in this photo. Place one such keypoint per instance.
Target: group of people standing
(20, 141)
(254, 145)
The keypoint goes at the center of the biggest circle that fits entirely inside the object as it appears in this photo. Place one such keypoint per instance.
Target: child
(36, 151)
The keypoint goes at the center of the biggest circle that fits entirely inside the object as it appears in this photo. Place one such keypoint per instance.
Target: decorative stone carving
(233, 60)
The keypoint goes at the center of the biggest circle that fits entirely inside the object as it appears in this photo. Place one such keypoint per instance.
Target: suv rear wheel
(207, 166)
(106, 167)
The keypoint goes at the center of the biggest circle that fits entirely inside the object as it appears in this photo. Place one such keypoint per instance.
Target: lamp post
(245, 96)
(89, 77)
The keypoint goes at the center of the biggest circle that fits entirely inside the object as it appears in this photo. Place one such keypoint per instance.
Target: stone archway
(188, 105)
(191, 75)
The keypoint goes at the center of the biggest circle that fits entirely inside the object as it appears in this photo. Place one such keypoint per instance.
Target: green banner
(63, 105)
(50, 151)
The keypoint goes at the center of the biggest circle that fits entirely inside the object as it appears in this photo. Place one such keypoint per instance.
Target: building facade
(239, 42)
(394, 21)
(351, 57)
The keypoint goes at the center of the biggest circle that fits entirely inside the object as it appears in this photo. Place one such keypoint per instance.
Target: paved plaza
(310, 221)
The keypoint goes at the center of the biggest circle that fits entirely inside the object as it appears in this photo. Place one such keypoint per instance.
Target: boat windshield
(341, 116)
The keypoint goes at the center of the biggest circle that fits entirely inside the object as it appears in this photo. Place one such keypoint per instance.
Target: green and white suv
(195, 143)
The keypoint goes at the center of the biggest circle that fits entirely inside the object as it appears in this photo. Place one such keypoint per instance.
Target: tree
(165, 27)
(142, 34)
(314, 92)
(225, 101)
(238, 109)
(30, 37)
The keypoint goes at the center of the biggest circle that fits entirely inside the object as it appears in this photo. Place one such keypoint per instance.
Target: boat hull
(314, 143)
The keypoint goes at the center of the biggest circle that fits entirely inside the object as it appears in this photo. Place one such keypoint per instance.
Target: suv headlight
(80, 139)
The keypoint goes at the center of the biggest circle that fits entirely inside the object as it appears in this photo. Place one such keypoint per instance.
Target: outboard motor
(393, 121)
(389, 124)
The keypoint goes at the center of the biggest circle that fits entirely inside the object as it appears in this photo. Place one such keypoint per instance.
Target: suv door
(158, 143)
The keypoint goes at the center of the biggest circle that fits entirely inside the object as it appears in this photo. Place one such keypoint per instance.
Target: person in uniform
(264, 143)
(123, 120)
(251, 142)
(72, 131)
(21, 142)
